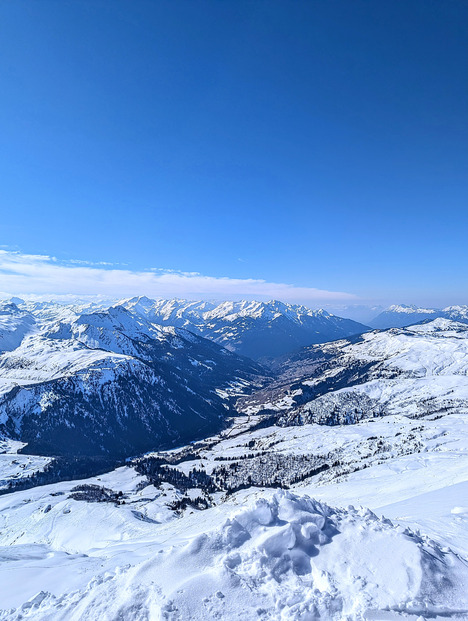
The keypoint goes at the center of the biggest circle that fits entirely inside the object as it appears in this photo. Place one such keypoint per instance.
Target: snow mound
(294, 558)
(282, 557)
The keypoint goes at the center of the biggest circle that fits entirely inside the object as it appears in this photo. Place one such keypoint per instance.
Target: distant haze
(45, 277)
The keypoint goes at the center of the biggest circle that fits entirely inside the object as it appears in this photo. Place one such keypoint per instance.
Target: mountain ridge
(109, 382)
(250, 328)
(402, 315)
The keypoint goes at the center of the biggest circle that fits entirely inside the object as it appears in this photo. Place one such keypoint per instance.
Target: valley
(148, 472)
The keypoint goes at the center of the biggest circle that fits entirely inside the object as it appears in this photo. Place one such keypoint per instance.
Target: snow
(16, 466)
(79, 358)
(458, 312)
(14, 325)
(276, 555)
(260, 553)
(40, 359)
(412, 371)
(436, 348)
(382, 533)
(269, 325)
(409, 309)
(205, 312)
(291, 557)
(402, 315)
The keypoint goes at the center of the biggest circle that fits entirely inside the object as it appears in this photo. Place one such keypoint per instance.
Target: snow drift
(281, 557)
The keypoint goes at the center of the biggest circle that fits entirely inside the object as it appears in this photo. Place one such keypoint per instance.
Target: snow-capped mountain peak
(400, 315)
(15, 323)
(251, 328)
(111, 382)
(457, 312)
(409, 308)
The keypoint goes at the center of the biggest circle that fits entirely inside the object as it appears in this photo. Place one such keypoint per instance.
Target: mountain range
(166, 476)
(143, 374)
(253, 329)
(401, 315)
(110, 382)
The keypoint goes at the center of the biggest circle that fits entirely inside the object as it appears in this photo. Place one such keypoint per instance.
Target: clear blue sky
(315, 143)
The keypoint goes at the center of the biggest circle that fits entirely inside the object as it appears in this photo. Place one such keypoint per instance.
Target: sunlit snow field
(260, 553)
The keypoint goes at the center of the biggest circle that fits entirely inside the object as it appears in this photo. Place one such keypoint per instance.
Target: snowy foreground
(300, 554)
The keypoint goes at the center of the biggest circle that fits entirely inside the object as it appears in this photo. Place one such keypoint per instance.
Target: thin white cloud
(44, 276)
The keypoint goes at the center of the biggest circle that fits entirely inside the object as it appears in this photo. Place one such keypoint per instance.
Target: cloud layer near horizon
(44, 276)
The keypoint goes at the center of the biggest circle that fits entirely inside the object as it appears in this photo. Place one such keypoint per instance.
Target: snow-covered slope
(14, 325)
(401, 315)
(110, 382)
(253, 329)
(113, 547)
(456, 313)
(413, 371)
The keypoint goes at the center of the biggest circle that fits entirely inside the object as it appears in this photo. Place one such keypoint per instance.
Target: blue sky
(270, 148)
